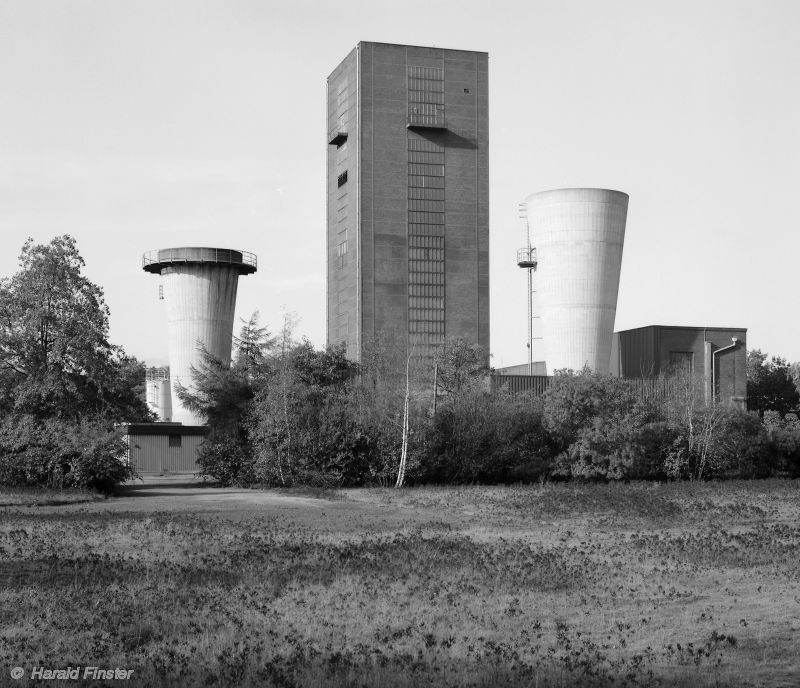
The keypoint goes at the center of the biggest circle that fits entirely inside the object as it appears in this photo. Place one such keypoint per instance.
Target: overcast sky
(139, 125)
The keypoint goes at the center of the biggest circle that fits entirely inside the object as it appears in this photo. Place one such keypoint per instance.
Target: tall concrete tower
(408, 197)
(578, 235)
(198, 286)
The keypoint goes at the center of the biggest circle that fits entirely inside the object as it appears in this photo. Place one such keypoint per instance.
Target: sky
(141, 125)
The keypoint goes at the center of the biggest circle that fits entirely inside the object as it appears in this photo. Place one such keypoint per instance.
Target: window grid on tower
(425, 182)
(426, 96)
(426, 244)
(341, 108)
(426, 230)
(425, 194)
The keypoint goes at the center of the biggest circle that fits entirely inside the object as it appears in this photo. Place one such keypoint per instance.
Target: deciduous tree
(55, 357)
(770, 386)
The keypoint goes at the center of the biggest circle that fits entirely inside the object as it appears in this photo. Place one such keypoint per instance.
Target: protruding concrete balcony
(337, 137)
(425, 121)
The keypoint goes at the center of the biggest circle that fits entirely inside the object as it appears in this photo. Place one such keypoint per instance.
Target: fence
(659, 391)
(534, 385)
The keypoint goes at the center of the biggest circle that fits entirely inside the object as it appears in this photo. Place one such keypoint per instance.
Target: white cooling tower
(578, 235)
(199, 291)
(165, 400)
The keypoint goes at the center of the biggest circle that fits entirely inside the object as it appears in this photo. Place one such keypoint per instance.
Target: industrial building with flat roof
(408, 197)
(717, 355)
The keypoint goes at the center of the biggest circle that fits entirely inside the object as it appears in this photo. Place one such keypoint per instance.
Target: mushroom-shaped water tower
(198, 285)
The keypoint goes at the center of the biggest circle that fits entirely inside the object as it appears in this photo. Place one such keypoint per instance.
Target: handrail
(200, 254)
(527, 256)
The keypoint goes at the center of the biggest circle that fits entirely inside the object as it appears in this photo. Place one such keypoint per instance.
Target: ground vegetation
(690, 584)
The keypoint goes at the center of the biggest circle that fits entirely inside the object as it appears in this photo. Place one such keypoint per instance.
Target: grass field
(554, 585)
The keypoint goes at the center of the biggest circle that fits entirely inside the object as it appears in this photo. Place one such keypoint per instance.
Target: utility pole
(526, 259)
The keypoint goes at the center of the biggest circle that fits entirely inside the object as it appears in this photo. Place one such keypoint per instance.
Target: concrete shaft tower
(198, 286)
(578, 235)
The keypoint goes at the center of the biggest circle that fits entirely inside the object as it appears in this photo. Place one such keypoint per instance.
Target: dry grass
(558, 585)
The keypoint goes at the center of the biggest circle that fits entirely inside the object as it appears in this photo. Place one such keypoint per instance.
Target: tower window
(341, 180)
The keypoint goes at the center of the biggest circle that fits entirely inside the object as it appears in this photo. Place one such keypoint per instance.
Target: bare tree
(697, 422)
(401, 472)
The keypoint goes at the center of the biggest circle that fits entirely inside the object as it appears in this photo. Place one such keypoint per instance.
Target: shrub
(720, 442)
(350, 452)
(226, 460)
(57, 454)
(741, 448)
(784, 442)
(601, 428)
(309, 425)
(618, 448)
(487, 438)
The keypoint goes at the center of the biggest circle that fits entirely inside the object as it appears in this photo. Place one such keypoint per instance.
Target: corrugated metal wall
(152, 454)
(638, 352)
(522, 384)
(658, 391)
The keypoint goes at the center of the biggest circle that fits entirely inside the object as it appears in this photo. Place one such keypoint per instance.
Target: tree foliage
(483, 437)
(770, 386)
(300, 422)
(223, 395)
(55, 357)
(253, 347)
(63, 385)
(57, 453)
(313, 417)
(459, 364)
(599, 425)
(220, 393)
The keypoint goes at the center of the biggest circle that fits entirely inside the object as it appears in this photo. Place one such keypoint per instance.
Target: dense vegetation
(63, 385)
(286, 413)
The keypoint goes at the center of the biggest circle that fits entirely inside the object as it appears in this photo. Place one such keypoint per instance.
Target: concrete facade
(707, 353)
(408, 197)
(199, 291)
(578, 235)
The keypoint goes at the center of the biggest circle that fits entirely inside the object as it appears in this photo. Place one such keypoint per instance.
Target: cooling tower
(165, 400)
(578, 235)
(159, 396)
(199, 291)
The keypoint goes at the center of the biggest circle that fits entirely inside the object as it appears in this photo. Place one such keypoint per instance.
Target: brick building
(717, 355)
(408, 197)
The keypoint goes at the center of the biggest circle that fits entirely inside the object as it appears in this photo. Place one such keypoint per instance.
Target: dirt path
(184, 493)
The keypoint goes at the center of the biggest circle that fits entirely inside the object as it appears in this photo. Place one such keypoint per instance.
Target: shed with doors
(164, 447)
